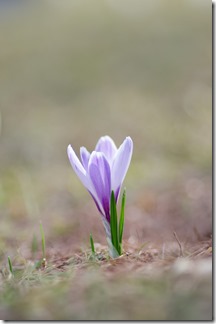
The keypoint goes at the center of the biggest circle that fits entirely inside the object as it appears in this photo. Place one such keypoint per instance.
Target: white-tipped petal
(85, 156)
(83, 175)
(107, 147)
(77, 166)
(121, 163)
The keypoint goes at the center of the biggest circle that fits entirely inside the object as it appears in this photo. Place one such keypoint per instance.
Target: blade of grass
(114, 222)
(121, 221)
(10, 265)
(92, 244)
(34, 245)
(43, 241)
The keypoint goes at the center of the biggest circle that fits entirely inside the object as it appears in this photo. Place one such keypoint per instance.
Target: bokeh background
(72, 71)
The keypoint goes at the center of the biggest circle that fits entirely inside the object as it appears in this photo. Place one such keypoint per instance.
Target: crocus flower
(103, 171)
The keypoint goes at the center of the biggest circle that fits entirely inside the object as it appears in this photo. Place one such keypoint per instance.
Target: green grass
(43, 242)
(92, 245)
(10, 266)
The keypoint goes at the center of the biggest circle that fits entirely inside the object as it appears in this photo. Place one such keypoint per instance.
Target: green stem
(115, 228)
(121, 221)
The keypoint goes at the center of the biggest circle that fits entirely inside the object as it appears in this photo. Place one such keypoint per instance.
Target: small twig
(198, 236)
(163, 250)
(179, 243)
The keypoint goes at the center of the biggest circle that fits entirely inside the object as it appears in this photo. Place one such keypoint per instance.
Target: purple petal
(117, 193)
(97, 204)
(120, 164)
(83, 176)
(85, 156)
(99, 172)
(106, 146)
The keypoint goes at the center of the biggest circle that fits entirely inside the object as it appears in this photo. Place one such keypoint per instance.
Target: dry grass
(82, 286)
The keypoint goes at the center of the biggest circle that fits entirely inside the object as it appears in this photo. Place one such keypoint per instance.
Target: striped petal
(100, 175)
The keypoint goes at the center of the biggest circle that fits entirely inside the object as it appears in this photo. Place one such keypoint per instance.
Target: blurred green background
(72, 71)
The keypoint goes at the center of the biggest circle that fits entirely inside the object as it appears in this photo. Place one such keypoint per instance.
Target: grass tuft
(43, 241)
